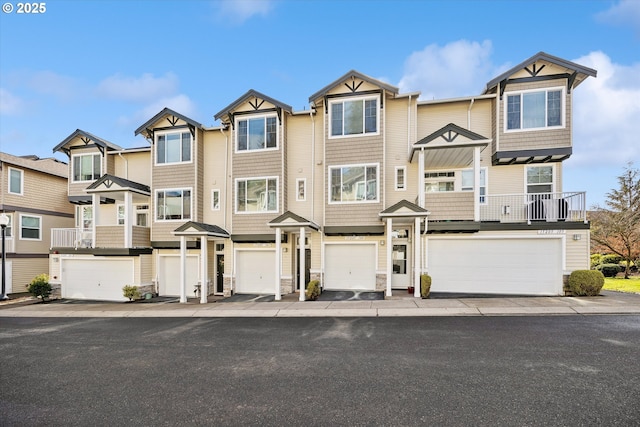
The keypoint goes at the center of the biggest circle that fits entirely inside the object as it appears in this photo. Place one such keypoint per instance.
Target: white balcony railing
(549, 207)
(71, 238)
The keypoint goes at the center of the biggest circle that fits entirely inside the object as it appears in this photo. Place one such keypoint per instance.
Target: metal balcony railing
(550, 207)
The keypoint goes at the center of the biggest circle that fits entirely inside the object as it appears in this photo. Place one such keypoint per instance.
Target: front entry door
(400, 256)
(307, 267)
(219, 276)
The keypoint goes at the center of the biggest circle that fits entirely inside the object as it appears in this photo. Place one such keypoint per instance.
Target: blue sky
(107, 66)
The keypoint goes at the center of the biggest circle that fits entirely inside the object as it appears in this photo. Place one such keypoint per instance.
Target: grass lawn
(631, 284)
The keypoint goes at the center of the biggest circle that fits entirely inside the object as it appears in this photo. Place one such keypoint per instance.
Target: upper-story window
(354, 183)
(354, 116)
(257, 133)
(467, 182)
(173, 148)
(436, 182)
(30, 227)
(257, 195)
(16, 180)
(84, 217)
(534, 109)
(401, 178)
(540, 179)
(87, 167)
(173, 204)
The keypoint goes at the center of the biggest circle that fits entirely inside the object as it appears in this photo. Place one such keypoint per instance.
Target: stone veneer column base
(381, 282)
(227, 284)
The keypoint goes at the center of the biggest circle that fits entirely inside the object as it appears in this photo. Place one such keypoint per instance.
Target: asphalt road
(469, 371)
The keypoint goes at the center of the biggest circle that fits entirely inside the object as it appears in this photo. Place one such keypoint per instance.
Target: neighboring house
(33, 196)
(366, 190)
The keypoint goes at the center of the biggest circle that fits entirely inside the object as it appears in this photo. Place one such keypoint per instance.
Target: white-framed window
(354, 116)
(215, 200)
(534, 109)
(16, 181)
(142, 212)
(257, 133)
(173, 147)
(540, 179)
(353, 183)
(437, 182)
(86, 167)
(301, 189)
(257, 195)
(30, 227)
(120, 214)
(401, 178)
(173, 204)
(84, 217)
(467, 182)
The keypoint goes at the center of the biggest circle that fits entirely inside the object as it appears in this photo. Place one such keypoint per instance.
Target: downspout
(469, 113)
(226, 160)
(313, 162)
(408, 128)
(382, 179)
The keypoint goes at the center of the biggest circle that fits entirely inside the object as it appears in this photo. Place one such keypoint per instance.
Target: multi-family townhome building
(33, 197)
(365, 190)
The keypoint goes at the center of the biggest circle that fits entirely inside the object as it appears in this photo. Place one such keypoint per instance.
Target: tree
(617, 227)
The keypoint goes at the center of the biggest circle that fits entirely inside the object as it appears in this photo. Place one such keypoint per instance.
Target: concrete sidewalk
(400, 304)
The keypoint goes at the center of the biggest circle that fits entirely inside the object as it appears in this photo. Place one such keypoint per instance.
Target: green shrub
(425, 285)
(609, 270)
(596, 260)
(586, 282)
(40, 287)
(611, 259)
(131, 292)
(313, 290)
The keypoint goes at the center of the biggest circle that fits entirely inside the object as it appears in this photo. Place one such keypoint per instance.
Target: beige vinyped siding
(78, 188)
(214, 166)
(476, 117)
(110, 236)
(199, 188)
(39, 191)
(299, 163)
(141, 236)
(24, 270)
(355, 150)
(135, 167)
(54, 268)
(536, 139)
(258, 164)
(578, 250)
(397, 147)
(450, 206)
(177, 176)
(506, 180)
(47, 222)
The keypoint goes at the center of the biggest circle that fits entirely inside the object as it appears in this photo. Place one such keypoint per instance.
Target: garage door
(256, 272)
(350, 267)
(496, 266)
(169, 275)
(96, 278)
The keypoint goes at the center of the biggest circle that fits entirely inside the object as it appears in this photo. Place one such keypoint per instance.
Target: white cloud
(237, 12)
(624, 13)
(606, 112)
(138, 89)
(49, 83)
(10, 104)
(460, 68)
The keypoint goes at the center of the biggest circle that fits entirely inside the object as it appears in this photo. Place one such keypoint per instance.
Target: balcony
(549, 207)
(71, 238)
(107, 237)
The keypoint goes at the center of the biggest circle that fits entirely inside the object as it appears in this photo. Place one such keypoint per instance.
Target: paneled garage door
(255, 272)
(350, 267)
(169, 275)
(496, 266)
(96, 278)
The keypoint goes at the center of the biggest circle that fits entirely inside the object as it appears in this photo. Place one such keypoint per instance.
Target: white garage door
(256, 272)
(8, 281)
(96, 278)
(350, 267)
(169, 275)
(496, 266)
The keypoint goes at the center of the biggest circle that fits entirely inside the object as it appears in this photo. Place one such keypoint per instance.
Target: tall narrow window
(301, 189)
(16, 177)
(215, 200)
(401, 172)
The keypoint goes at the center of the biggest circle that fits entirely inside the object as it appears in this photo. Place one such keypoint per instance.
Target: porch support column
(416, 256)
(204, 270)
(476, 184)
(301, 262)
(421, 200)
(183, 269)
(278, 297)
(128, 220)
(389, 238)
(95, 207)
